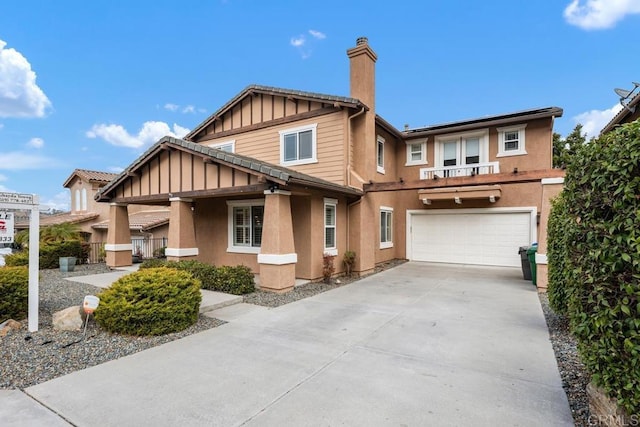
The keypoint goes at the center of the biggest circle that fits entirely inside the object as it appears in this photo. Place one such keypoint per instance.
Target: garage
(470, 236)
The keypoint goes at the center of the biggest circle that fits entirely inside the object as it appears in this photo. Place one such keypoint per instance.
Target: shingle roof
(269, 171)
(270, 90)
(91, 176)
(142, 220)
(486, 121)
(62, 218)
(622, 114)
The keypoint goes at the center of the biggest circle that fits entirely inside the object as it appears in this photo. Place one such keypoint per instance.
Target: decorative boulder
(8, 326)
(69, 319)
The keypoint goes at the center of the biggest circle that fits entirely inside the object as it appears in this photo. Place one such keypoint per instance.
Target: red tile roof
(143, 220)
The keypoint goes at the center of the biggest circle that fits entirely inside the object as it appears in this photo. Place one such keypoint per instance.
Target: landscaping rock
(69, 319)
(8, 326)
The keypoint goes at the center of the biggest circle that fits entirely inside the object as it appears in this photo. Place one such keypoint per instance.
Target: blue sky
(91, 84)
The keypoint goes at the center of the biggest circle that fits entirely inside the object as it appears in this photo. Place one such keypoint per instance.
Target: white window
(246, 218)
(380, 154)
(298, 146)
(78, 205)
(386, 227)
(416, 153)
(461, 150)
(511, 141)
(330, 210)
(228, 146)
(84, 199)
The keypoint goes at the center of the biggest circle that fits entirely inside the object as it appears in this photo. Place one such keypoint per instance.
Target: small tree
(327, 267)
(349, 260)
(565, 149)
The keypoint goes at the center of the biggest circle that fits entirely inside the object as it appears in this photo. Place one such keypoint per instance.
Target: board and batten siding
(264, 144)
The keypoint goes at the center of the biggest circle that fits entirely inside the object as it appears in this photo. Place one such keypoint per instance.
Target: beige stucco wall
(549, 192)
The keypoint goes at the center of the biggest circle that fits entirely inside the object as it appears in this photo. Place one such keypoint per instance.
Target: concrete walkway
(421, 344)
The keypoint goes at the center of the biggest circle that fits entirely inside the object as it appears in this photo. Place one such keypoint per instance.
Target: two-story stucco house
(276, 178)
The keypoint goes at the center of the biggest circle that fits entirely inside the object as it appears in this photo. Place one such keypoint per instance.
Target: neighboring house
(276, 178)
(92, 218)
(629, 113)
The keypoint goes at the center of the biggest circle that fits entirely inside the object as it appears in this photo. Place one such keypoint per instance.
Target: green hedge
(14, 293)
(154, 301)
(559, 229)
(50, 254)
(236, 280)
(601, 257)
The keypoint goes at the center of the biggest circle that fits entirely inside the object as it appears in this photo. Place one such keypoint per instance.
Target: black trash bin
(524, 260)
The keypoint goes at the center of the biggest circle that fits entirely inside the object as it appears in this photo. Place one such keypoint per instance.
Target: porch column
(551, 187)
(182, 234)
(118, 247)
(277, 256)
(363, 220)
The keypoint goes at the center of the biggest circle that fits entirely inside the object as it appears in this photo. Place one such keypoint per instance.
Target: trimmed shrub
(349, 260)
(17, 259)
(602, 257)
(558, 249)
(327, 267)
(14, 293)
(153, 263)
(155, 301)
(236, 280)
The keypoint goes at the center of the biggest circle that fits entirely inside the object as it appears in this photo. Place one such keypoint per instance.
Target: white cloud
(189, 109)
(20, 161)
(150, 133)
(593, 121)
(115, 169)
(20, 96)
(297, 41)
(59, 202)
(35, 143)
(317, 34)
(599, 14)
(171, 107)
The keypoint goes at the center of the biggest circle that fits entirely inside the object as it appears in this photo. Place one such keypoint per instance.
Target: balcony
(458, 171)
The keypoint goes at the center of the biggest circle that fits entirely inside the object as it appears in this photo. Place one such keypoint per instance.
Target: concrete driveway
(421, 344)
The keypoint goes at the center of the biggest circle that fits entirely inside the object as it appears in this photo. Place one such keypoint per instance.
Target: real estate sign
(6, 227)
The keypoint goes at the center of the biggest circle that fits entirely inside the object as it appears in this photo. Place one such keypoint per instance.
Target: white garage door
(470, 237)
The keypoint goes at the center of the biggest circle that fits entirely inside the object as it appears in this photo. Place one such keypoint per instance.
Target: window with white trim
(330, 210)
(228, 146)
(78, 205)
(386, 227)
(461, 150)
(298, 145)
(380, 154)
(246, 218)
(511, 141)
(416, 153)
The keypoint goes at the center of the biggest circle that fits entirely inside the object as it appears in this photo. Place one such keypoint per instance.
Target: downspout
(348, 170)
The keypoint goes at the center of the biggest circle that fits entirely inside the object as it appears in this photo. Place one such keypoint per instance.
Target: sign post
(30, 202)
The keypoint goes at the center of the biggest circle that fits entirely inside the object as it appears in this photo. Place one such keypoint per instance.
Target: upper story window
(511, 141)
(246, 219)
(84, 199)
(416, 153)
(298, 145)
(462, 149)
(78, 205)
(228, 146)
(380, 154)
(330, 209)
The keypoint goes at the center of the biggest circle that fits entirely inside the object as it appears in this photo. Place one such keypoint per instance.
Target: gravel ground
(573, 373)
(31, 358)
(28, 359)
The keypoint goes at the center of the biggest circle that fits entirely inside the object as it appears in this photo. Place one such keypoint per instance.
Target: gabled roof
(633, 104)
(497, 120)
(269, 90)
(270, 172)
(90, 176)
(142, 220)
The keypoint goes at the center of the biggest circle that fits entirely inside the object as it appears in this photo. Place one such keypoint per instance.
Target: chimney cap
(362, 40)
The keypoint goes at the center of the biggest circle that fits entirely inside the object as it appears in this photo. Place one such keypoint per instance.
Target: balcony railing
(456, 171)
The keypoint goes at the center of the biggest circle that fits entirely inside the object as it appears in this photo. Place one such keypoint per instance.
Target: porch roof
(270, 172)
(488, 192)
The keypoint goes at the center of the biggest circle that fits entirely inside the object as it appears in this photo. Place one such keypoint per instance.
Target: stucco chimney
(363, 72)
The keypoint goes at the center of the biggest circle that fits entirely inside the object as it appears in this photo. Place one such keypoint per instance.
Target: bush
(153, 263)
(602, 258)
(327, 267)
(236, 280)
(558, 249)
(17, 259)
(14, 293)
(349, 260)
(159, 252)
(154, 301)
